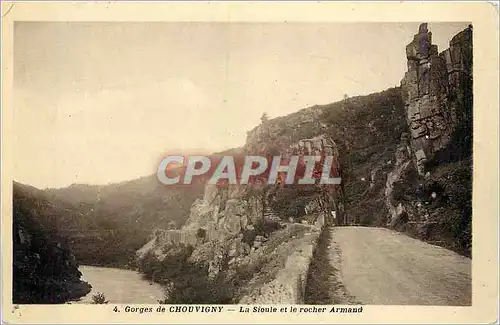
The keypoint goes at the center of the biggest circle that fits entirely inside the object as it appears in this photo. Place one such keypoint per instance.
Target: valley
(396, 230)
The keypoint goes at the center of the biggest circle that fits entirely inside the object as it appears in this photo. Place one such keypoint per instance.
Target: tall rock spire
(434, 89)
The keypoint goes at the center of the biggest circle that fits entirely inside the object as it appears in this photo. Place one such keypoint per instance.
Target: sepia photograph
(207, 165)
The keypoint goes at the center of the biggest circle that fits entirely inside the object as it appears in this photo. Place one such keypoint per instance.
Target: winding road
(383, 267)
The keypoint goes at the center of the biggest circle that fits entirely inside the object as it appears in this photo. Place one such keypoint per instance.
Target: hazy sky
(103, 102)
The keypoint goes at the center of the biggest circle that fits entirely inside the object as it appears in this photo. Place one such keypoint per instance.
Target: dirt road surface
(383, 267)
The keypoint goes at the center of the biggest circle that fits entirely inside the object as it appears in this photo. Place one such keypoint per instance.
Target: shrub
(249, 236)
(201, 233)
(99, 299)
(267, 227)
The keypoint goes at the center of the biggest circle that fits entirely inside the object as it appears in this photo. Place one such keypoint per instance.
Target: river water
(120, 286)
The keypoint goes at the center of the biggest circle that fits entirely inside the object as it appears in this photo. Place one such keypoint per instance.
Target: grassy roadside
(323, 285)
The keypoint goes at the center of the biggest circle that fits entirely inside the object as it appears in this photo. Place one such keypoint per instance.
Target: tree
(264, 118)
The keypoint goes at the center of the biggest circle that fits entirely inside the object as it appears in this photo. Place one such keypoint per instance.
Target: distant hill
(145, 201)
(107, 224)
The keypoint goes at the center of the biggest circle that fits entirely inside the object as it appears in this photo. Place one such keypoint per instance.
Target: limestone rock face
(436, 92)
(402, 164)
(221, 216)
(429, 187)
(323, 199)
(317, 146)
(291, 202)
(228, 224)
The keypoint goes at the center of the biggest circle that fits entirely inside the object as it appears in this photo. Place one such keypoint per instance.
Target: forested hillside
(107, 224)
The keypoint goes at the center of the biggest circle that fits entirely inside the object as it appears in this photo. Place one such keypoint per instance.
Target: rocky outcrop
(287, 285)
(236, 227)
(317, 146)
(420, 196)
(331, 198)
(44, 268)
(437, 89)
(401, 165)
(269, 137)
(299, 202)
(223, 214)
(261, 237)
(367, 130)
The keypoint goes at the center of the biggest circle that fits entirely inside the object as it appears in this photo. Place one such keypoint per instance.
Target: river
(120, 286)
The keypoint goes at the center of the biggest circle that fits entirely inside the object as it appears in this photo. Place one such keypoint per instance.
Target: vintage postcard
(246, 162)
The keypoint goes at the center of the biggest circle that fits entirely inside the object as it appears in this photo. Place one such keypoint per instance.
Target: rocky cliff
(437, 90)
(429, 191)
(44, 268)
(226, 212)
(404, 156)
(240, 227)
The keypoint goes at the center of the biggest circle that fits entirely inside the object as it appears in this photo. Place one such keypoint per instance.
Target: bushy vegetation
(446, 196)
(367, 130)
(184, 281)
(99, 299)
(187, 282)
(323, 284)
(321, 274)
(263, 228)
(454, 204)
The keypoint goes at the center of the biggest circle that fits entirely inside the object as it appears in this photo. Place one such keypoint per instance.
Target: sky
(100, 103)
